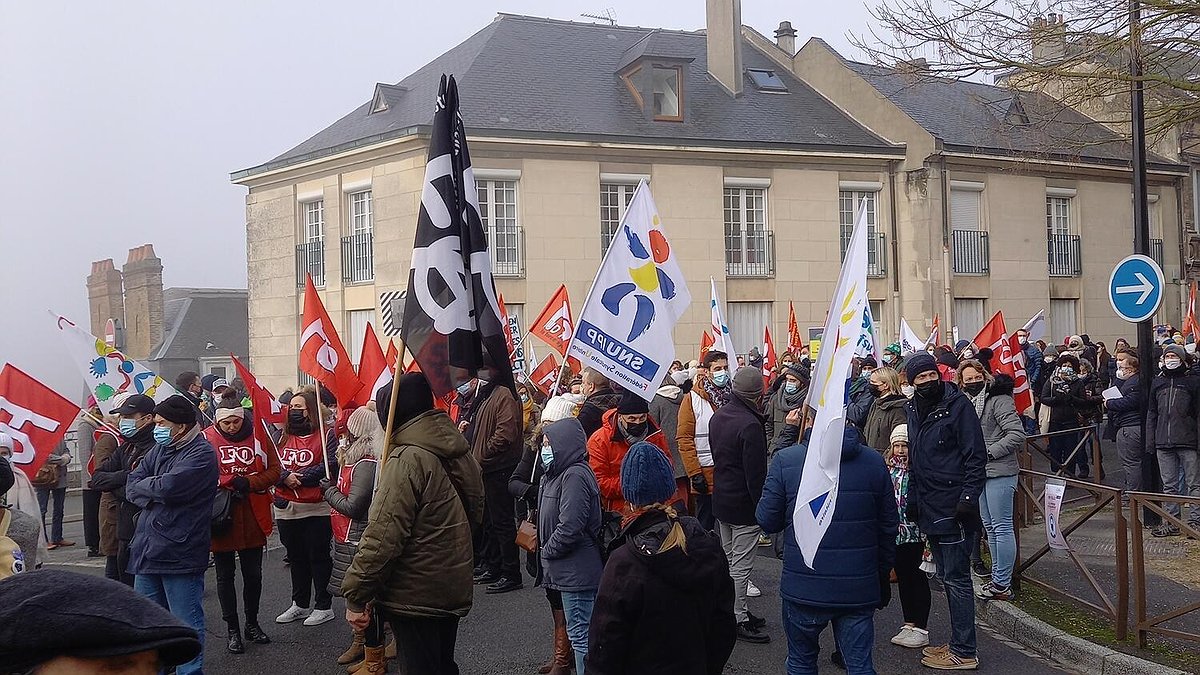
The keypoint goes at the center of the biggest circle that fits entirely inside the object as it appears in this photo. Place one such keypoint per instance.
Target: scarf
(789, 402)
(979, 401)
(717, 396)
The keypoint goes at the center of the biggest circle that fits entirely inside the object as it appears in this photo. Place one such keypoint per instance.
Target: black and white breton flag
(452, 322)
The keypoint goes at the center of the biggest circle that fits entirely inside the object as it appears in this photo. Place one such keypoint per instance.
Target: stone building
(757, 161)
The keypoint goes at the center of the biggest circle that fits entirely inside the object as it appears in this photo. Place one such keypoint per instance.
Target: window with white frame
(614, 201)
(358, 247)
(310, 253)
(498, 211)
(360, 212)
(746, 239)
(968, 317)
(1063, 250)
(849, 201)
(876, 309)
(356, 322)
(314, 220)
(1058, 215)
(746, 323)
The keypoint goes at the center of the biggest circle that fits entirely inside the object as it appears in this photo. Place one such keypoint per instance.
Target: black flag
(452, 324)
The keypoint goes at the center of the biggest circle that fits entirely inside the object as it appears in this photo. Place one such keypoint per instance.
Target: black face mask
(973, 389)
(931, 390)
(298, 422)
(876, 391)
(636, 430)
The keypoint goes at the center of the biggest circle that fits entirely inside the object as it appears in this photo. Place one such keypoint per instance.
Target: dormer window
(667, 82)
(766, 80)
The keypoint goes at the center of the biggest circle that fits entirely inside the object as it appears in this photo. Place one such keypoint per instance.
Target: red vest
(243, 458)
(341, 522)
(299, 453)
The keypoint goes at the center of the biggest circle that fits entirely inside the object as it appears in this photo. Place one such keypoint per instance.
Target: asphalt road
(510, 633)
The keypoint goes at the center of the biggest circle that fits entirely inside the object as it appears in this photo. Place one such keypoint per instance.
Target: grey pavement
(511, 633)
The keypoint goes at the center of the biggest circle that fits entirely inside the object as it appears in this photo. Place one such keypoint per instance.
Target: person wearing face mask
(911, 581)
(787, 397)
(1066, 397)
(301, 512)
(1003, 435)
(739, 451)
(664, 409)
(531, 412)
(174, 485)
(862, 394)
(136, 426)
(948, 464)
(569, 520)
(886, 411)
(1033, 355)
(892, 356)
(1038, 384)
(191, 386)
(628, 423)
(1171, 432)
(1125, 420)
(711, 392)
(21, 499)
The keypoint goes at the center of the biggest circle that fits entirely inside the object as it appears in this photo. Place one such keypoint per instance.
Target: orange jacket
(606, 451)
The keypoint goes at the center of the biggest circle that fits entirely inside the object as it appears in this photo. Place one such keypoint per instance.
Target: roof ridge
(594, 24)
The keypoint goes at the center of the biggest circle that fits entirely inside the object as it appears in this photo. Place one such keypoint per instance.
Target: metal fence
(358, 258)
(508, 252)
(1145, 625)
(1156, 251)
(971, 253)
(1063, 255)
(876, 255)
(310, 259)
(752, 257)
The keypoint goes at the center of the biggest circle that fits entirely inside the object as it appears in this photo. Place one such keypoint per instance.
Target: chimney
(143, 301)
(106, 300)
(917, 66)
(785, 37)
(1049, 39)
(724, 36)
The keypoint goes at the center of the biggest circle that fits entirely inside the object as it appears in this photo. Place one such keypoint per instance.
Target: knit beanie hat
(748, 383)
(632, 404)
(363, 422)
(899, 434)
(177, 410)
(557, 408)
(646, 475)
(798, 371)
(1176, 350)
(415, 397)
(918, 363)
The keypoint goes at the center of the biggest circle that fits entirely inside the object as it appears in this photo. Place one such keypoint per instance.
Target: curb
(1062, 647)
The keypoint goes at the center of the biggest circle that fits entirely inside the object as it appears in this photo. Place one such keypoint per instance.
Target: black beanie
(919, 363)
(632, 404)
(415, 397)
(177, 410)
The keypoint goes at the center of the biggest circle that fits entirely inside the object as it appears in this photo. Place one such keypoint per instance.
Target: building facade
(757, 163)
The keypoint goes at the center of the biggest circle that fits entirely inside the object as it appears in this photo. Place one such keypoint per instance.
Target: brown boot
(389, 650)
(373, 663)
(354, 652)
(563, 656)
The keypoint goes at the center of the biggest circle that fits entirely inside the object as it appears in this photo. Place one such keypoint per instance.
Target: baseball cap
(137, 403)
(218, 383)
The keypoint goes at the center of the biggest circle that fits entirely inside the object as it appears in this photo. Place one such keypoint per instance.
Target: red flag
(35, 416)
(769, 360)
(935, 334)
(545, 374)
(1189, 321)
(995, 336)
(322, 355)
(373, 371)
(554, 325)
(392, 356)
(706, 341)
(795, 342)
(266, 408)
(507, 333)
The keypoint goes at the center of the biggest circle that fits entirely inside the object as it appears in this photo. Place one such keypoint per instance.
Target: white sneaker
(318, 617)
(293, 613)
(752, 590)
(911, 637)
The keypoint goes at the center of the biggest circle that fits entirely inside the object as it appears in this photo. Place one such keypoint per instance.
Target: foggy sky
(120, 123)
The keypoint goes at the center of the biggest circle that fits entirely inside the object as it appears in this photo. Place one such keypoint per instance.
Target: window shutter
(1062, 320)
(964, 210)
(968, 317)
(746, 323)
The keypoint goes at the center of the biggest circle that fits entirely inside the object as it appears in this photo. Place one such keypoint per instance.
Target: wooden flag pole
(324, 445)
(391, 416)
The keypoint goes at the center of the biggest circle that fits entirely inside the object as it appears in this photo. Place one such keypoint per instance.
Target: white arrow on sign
(1144, 287)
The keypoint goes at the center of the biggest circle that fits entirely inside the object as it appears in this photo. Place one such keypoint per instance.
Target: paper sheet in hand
(1111, 393)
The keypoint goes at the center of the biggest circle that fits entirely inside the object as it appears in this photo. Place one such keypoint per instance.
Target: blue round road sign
(1135, 288)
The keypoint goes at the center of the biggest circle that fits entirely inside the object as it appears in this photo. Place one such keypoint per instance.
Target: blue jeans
(996, 508)
(183, 596)
(853, 633)
(56, 528)
(952, 554)
(577, 605)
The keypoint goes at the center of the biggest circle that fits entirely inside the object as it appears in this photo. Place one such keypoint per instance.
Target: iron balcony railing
(508, 252)
(971, 254)
(876, 255)
(358, 258)
(1063, 255)
(752, 257)
(1156, 251)
(310, 260)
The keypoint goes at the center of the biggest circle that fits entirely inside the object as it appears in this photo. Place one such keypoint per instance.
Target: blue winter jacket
(947, 460)
(174, 486)
(860, 544)
(569, 512)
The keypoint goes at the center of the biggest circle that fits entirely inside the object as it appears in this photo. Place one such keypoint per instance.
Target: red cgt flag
(266, 408)
(769, 359)
(373, 370)
(554, 325)
(546, 373)
(322, 355)
(35, 416)
(1007, 358)
(795, 342)
(392, 356)
(706, 343)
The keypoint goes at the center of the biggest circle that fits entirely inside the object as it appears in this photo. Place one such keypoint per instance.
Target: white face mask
(1172, 364)
(908, 390)
(968, 354)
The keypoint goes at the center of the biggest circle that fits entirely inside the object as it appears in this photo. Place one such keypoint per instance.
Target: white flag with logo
(626, 327)
(107, 371)
(868, 343)
(909, 342)
(816, 498)
(720, 329)
(1036, 326)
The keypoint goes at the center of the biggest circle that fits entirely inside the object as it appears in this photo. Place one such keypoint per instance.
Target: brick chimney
(106, 299)
(723, 32)
(143, 301)
(1049, 39)
(785, 38)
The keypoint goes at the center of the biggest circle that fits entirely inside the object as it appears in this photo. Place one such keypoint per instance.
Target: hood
(1002, 386)
(852, 443)
(670, 392)
(432, 430)
(693, 571)
(568, 442)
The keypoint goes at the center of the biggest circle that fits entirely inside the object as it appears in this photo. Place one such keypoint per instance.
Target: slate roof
(987, 119)
(194, 317)
(534, 77)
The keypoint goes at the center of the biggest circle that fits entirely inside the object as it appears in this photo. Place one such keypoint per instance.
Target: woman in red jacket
(247, 470)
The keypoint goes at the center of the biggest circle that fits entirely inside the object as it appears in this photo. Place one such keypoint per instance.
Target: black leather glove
(885, 589)
(911, 511)
(241, 485)
(699, 484)
(967, 514)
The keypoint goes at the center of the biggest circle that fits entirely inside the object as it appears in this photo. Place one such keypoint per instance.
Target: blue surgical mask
(128, 427)
(1066, 373)
(721, 379)
(162, 435)
(547, 455)
(464, 388)
(791, 387)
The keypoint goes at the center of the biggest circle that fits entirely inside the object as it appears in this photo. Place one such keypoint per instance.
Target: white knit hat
(557, 408)
(899, 434)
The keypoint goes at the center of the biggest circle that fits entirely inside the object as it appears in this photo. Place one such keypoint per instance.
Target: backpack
(47, 476)
(12, 560)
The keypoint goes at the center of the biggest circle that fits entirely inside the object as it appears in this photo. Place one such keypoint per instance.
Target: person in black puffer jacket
(350, 501)
(1171, 432)
(1065, 393)
(1125, 419)
(601, 397)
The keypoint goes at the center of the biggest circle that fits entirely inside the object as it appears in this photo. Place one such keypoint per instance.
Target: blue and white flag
(720, 330)
(816, 497)
(625, 330)
(868, 343)
(909, 342)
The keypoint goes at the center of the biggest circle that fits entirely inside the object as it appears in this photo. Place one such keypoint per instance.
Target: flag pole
(391, 416)
(324, 445)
